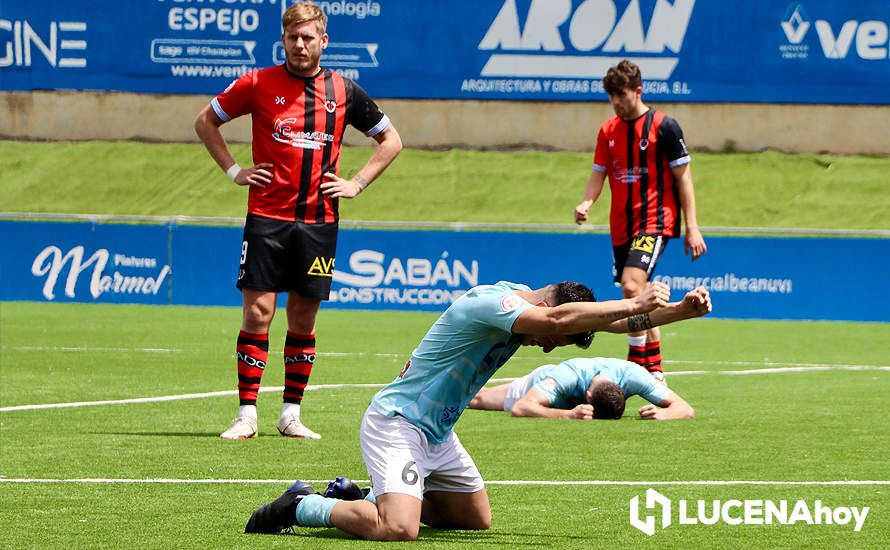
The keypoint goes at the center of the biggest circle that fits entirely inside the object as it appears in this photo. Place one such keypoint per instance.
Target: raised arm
(695, 304)
(577, 317)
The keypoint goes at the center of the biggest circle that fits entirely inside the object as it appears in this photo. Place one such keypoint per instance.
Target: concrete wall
(475, 124)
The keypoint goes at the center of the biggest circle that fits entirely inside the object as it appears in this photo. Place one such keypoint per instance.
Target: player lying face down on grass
(418, 468)
(584, 388)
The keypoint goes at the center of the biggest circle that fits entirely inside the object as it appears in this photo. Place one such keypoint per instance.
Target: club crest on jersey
(510, 302)
(330, 105)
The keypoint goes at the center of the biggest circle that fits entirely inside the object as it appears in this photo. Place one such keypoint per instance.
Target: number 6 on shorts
(409, 476)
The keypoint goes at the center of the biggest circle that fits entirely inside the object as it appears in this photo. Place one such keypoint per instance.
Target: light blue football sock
(315, 511)
(370, 496)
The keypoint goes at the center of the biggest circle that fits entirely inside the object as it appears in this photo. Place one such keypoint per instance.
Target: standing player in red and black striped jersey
(642, 152)
(300, 112)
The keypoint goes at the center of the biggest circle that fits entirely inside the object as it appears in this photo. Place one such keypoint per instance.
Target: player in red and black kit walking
(300, 112)
(642, 152)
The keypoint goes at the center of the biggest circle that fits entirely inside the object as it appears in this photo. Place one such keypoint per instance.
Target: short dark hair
(607, 400)
(623, 76)
(570, 291)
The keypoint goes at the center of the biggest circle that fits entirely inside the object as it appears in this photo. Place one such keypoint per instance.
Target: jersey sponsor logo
(279, 100)
(628, 176)
(511, 302)
(590, 26)
(284, 132)
(836, 39)
(322, 267)
(645, 243)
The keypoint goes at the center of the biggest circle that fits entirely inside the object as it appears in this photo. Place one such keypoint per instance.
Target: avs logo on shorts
(645, 243)
(322, 267)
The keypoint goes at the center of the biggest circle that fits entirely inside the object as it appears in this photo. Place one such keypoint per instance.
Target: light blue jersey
(458, 355)
(565, 385)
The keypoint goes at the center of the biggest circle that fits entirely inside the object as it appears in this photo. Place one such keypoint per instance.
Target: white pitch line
(178, 397)
(779, 365)
(88, 349)
(340, 386)
(94, 350)
(719, 482)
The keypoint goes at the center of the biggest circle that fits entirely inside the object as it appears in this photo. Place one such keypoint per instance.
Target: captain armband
(636, 323)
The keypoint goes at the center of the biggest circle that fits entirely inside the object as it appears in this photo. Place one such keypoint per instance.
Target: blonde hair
(302, 12)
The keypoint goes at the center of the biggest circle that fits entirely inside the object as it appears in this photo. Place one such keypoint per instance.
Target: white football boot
(289, 425)
(243, 427)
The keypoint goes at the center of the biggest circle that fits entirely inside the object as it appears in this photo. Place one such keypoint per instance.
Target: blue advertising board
(749, 277)
(85, 262)
(774, 51)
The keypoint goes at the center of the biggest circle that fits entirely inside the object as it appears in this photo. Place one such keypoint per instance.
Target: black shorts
(284, 256)
(642, 251)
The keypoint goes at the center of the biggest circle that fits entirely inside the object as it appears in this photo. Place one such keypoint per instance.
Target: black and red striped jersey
(298, 126)
(637, 156)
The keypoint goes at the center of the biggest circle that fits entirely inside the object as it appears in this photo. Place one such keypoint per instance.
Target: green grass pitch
(807, 425)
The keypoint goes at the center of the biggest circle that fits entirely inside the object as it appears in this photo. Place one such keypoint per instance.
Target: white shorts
(520, 387)
(401, 460)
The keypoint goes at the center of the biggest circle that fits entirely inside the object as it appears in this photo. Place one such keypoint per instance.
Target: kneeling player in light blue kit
(418, 468)
(583, 388)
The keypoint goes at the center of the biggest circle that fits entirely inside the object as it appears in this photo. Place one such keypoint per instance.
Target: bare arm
(591, 194)
(695, 304)
(576, 317)
(389, 144)
(694, 242)
(672, 407)
(207, 127)
(535, 404)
